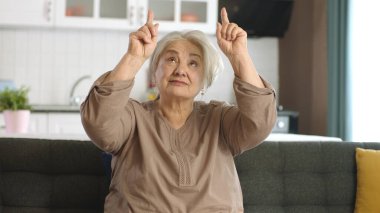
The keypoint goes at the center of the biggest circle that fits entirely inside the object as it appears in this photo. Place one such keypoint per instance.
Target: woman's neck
(176, 112)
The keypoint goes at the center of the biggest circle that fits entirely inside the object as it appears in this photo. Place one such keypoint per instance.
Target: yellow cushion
(368, 181)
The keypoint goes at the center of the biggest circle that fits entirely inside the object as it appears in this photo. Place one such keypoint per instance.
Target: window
(364, 69)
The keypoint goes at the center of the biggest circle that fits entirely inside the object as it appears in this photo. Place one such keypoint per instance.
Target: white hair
(212, 60)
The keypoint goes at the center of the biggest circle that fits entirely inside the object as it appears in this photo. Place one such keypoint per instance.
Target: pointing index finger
(149, 20)
(224, 16)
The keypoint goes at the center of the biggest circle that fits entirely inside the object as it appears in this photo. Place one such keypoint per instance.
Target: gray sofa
(70, 176)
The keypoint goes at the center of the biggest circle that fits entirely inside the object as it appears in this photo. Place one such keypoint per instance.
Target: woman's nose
(180, 70)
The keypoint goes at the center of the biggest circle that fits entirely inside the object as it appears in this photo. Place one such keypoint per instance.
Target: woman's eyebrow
(171, 51)
(197, 55)
(176, 52)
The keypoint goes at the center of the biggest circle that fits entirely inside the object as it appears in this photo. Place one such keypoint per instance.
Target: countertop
(55, 108)
(74, 108)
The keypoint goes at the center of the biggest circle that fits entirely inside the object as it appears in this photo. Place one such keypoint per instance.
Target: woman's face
(179, 72)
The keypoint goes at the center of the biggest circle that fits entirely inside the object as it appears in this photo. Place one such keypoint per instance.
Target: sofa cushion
(51, 176)
(368, 184)
(299, 176)
(1, 194)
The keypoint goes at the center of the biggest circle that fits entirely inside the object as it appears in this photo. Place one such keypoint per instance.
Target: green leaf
(14, 99)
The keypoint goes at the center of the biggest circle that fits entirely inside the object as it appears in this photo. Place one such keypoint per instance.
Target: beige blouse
(156, 168)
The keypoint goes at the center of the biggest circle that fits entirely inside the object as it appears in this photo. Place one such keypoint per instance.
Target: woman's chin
(180, 95)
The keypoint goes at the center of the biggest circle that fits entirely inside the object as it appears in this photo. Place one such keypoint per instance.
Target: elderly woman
(175, 154)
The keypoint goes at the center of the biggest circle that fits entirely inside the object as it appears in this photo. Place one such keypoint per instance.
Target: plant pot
(16, 121)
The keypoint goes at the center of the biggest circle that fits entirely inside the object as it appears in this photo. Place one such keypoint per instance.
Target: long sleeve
(248, 124)
(107, 113)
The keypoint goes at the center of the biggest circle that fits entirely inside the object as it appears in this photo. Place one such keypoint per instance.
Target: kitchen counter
(55, 108)
(83, 137)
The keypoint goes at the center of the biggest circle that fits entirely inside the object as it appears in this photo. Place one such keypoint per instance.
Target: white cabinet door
(38, 123)
(131, 14)
(26, 12)
(65, 123)
(185, 14)
(102, 14)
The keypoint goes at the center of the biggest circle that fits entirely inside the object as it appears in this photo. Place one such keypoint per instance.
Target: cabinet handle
(47, 10)
(141, 15)
(131, 15)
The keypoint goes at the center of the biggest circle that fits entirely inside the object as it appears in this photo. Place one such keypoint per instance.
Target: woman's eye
(171, 59)
(194, 63)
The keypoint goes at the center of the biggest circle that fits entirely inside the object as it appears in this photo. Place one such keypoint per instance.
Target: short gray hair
(212, 61)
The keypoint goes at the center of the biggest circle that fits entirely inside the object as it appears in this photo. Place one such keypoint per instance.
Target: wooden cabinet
(27, 12)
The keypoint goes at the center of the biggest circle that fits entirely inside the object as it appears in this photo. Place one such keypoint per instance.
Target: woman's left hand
(232, 39)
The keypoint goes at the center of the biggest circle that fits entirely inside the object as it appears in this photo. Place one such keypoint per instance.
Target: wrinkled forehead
(184, 46)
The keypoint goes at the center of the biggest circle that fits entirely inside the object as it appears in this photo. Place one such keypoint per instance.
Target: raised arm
(248, 124)
(141, 45)
(232, 40)
(107, 113)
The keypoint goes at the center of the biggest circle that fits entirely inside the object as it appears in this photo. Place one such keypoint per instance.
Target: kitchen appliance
(260, 18)
(287, 121)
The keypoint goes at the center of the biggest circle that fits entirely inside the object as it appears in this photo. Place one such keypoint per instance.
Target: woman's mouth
(177, 82)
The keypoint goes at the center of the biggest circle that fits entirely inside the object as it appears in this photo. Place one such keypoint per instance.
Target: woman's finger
(223, 31)
(230, 28)
(218, 31)
(224, 16)
(153, 28)
(149, 19)
(141, 35)
(146, 30)
(154, 35)
(234, 33)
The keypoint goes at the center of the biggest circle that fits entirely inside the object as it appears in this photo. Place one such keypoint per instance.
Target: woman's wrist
(127, 68)
(241, 63)
(245, 69)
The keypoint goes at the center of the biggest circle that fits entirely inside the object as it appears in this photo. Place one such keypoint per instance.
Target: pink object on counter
(16, 121)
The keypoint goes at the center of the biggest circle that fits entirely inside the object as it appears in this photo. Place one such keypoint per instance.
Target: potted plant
(15, 106)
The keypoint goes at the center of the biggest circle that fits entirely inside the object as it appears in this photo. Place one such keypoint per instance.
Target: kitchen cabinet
(52, 123)
(131, 14)
(111, 14)
(27, 12)
(185, 14)
(65, 123)
(102, 14)
(38, 123)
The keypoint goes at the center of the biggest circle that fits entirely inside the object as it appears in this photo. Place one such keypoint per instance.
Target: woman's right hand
(143, 42)
(141, 45)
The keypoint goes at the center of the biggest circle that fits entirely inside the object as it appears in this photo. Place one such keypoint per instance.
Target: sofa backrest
(68, 176)
(51, 176)
(300, 176)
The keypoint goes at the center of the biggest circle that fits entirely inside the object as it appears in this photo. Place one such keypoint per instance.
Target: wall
(303, 66)
(49, 61)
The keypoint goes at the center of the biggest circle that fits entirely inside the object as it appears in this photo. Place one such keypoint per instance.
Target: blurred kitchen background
(318, 55)
(85, 38)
